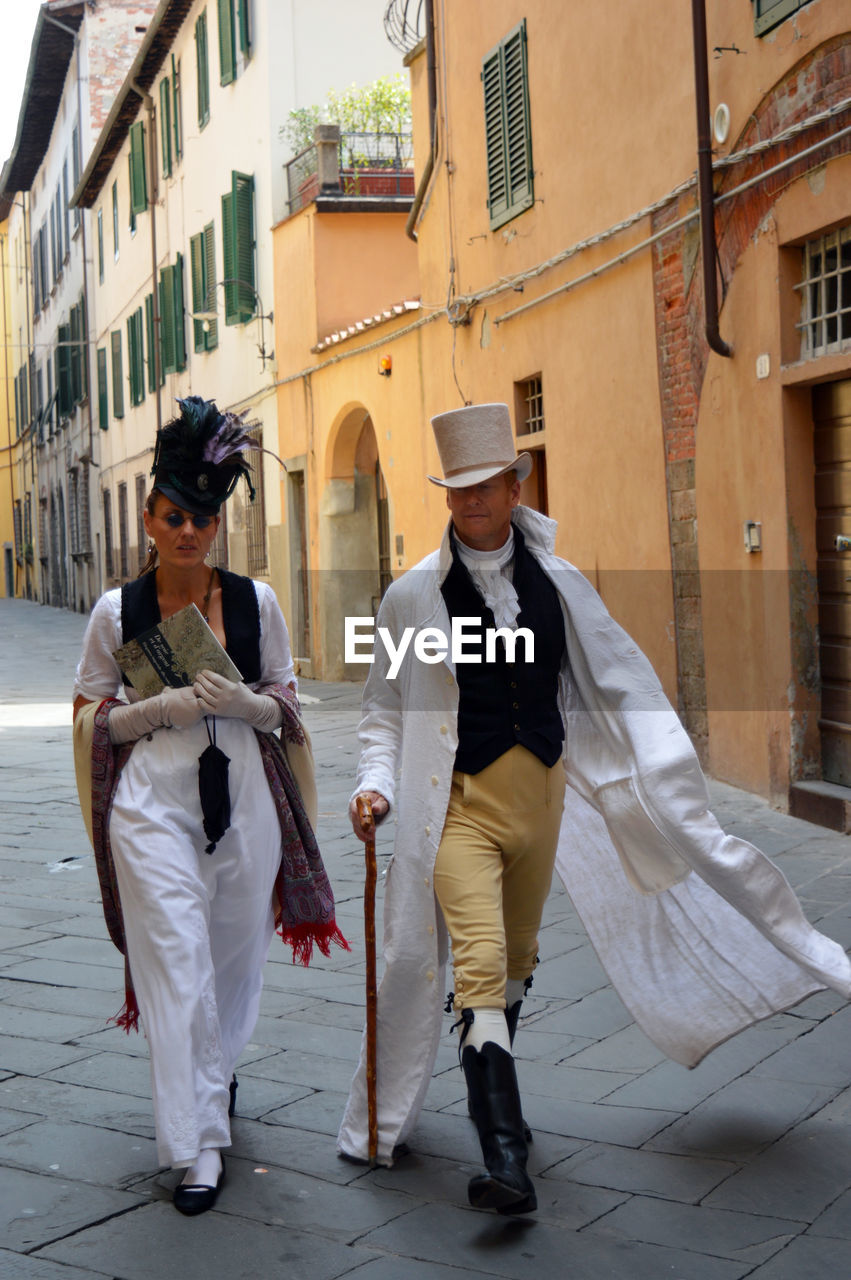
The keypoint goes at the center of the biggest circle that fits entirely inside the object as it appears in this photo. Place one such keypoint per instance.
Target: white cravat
(491, 573)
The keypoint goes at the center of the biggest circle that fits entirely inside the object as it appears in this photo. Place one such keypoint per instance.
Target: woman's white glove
(221, 697)
(173, 707)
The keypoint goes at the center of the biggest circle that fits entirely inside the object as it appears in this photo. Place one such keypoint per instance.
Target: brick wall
(820, 80)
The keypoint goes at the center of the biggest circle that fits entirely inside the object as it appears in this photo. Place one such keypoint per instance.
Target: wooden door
(832, 446)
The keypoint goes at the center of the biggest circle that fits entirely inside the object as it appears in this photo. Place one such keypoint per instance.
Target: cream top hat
(476, 443)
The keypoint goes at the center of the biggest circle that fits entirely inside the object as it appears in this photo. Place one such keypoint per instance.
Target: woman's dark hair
(153, 559)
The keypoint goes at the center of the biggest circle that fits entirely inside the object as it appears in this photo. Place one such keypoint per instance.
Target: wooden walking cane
(367, 821)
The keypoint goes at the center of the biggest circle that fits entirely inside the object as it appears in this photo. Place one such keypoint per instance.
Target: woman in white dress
(193, 885)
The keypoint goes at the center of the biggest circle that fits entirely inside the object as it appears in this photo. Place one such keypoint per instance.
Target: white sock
(205, 1171)
(515, 989)
(488, 1024)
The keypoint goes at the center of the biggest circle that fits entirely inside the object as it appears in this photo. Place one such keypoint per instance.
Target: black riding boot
(495, 1108)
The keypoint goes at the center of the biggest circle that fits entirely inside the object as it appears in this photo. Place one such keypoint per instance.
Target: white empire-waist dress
(198, 926)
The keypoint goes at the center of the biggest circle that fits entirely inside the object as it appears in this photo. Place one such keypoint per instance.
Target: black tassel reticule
(213, 788)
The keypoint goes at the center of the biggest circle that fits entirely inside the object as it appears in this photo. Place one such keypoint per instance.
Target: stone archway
(353, 536)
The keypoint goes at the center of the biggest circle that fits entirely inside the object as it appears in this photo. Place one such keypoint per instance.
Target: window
(117, 375)
(65, 226)
(76, 168)
(103, 391)
(255, 515)
(165, 125)
(172, 318)
(529, 405)
(227, 42)
(507, 128)
(108, 561)
(770, 13)
(83, 522)
(244, 30)
(64, 391)
(203, 66)
(55, 253)
(78, 362)
(149, 333)
(115, 218)
(136, 357)
(141, 536)
(202, 258)
(73, 500)
(177, 108)
(100, 246)
(826, 294)
(138, 180)
(123, 568)
(238, 249)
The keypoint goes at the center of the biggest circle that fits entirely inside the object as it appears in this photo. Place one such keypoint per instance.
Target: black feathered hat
(199, 457)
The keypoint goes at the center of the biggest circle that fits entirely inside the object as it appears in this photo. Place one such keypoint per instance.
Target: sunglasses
(175, 519)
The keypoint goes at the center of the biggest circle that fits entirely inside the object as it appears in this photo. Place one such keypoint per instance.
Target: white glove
(221, 697)
(173, 707)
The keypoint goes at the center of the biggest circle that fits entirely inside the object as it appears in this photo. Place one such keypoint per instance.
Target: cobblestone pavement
(644, 1170)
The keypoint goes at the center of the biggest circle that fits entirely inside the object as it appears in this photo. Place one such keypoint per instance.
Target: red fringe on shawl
(301, 938)
(128, 1018)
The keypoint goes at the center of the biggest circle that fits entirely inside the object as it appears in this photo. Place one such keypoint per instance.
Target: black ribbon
(213, 789)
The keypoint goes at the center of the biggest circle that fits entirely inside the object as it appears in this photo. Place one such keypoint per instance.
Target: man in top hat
(484, 743)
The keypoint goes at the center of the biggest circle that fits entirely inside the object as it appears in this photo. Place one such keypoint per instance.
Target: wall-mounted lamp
(385, 366)
(753, 536)
(207, 317)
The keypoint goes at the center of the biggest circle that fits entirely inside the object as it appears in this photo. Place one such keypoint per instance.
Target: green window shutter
(103, 391)
(138, 179)
(117, 375)
(149, 334)
(167, 319)
(177, 103)
(75, 352)
(165, 125)
(227, 46)
(769, 13)
(244, 29)
(199, 299)
(212, 335)
(203, 65)
(100, 246)
(508, 139)
(63, 370)
(84, 350)
(136, 357)
(238, 256)
(179, 316)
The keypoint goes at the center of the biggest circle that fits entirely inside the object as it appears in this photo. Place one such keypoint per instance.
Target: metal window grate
(255, 513)
(123, 569)
(825, 322)
(530, 404)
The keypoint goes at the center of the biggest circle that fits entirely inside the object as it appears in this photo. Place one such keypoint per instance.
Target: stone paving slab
(741, 1167)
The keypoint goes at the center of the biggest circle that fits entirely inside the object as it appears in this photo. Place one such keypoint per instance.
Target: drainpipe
(152, 198)
(704, 181)
(431, 63)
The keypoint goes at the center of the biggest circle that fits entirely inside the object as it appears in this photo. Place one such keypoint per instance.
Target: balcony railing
(351, 165)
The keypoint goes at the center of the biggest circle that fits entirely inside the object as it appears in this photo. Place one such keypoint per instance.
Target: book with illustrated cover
(172, 653)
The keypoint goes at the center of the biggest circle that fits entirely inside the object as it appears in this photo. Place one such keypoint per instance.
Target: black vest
(503, 704)
(241, 613)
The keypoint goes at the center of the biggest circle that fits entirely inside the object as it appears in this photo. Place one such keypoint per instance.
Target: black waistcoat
(240, 611)
(502, 704)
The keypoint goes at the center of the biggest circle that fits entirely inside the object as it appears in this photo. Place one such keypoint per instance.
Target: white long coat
(700, 934)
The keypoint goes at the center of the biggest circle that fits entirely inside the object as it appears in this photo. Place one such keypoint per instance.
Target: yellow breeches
(493, 871)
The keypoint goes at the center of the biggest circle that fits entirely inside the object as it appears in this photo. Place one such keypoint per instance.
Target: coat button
(443, 729)
(428, 831)
(430, 975)
(431, 928)
(517, 728)
(425, 882)
(449, 680)
(434, 779)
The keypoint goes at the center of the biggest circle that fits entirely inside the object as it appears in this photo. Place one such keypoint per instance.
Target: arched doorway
(354, 537)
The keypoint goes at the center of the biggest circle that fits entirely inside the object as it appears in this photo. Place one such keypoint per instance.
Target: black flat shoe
(232, 1088)
(197, 1199)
